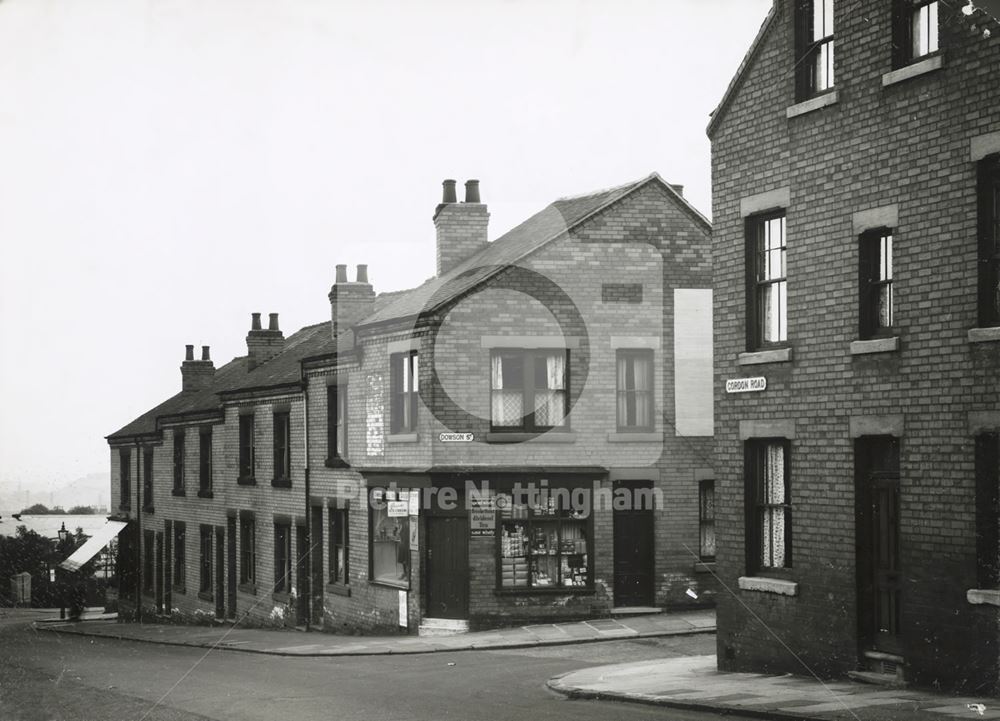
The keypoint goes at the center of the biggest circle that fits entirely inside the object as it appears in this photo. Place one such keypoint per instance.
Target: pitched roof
(719, 112)
(543, 227)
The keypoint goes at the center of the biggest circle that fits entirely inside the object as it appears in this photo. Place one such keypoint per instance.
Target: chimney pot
(678, 188)
(362, 273)
(204, 353)
(341, 274)
(448, 196)
(272, 321)
(189, 352)
(255, 321)
(472, 191)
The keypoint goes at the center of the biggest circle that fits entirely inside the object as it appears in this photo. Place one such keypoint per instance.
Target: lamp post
(61, 586)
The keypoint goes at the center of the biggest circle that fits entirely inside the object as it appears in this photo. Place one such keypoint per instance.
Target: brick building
(526, 435)
(856, 207)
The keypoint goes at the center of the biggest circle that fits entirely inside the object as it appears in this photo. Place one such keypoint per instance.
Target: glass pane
(707, 539)
(390, 546)
(885, 306)
(508, 408)
(773, 319)
(773, 533)
(513, 555)
(550, 408)
(774, 474)
(573, 555)
(415, 373)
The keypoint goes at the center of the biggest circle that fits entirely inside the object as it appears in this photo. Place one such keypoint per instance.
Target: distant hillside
(90, 490)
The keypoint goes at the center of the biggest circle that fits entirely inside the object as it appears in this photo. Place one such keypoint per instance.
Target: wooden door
(231, 566)
(159, 572)
(879, 577)
(220, 584)
(302, 571)
(634, 559)
(447, 567)
(317, 580)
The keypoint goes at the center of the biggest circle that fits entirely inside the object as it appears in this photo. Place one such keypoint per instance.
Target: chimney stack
(350, 302)
(196, 375)
(263, 345)
(678, 188)
(461, 227)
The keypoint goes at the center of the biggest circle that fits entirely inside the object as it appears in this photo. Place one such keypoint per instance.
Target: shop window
(767, 287)
(205, 462)
(248, 549)
(635, 390)
(336, 424)
(205, 565)
(706, 520)
(148, 574)
(989, 241)
(338, 556)
(529, 389)
(987, 510)
(813, 47)
(147, 479)
(125, 478)
(545, 545)
(180, 560)
(247, 449)
(768, 507)
(282, 557)
(282, 449)
(404, 385)
(915, 30)
(178, 461)
(390, 538)
(876, 299)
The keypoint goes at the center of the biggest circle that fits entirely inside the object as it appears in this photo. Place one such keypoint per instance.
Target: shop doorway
(447, 564)
(877, 529)
(634, 560)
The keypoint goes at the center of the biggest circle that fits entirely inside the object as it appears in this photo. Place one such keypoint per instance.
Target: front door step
(442, 627)
(635, 610)
(884, 669)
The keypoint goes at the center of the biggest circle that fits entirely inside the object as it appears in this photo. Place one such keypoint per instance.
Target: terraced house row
(856, 210)
(526, 435)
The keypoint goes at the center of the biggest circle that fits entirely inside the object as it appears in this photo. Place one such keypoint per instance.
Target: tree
(82, 511)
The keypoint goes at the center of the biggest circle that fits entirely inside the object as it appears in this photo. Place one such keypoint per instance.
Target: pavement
(295, 643)
(693, 683)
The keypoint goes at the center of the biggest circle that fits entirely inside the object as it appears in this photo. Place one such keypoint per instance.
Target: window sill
(983, 597)
(704, 567)
(399, 585)
(545, 591)
(984, 335)
(339, 589)
(281, 597)
(920, 67)
(250, 588)
(205, 596)
(635, 437)
(337, 462)
(281, 482)
(205, 494)
(769, 585)
(875, 345)
(402, 438)
(759, 357)
(179, 492)
(545, 437)
(815, 103)
(245, 481)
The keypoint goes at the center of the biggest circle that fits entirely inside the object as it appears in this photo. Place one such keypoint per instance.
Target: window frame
(904, 15)
(339, 539)
(809, 52)
(988, 254)
(755, 237)
(754, 483)
(247, 461)
(336, 425)
(704, 521)
(404, 391)
(248, 551)
(283, 558)
(282, 448)
(178, 461)
(206, 549)
(987, 463)
(205, 466)
(125, 478)
(632, 354)
(179, 560)
(528, 356)
(404, 539)
(870, 282)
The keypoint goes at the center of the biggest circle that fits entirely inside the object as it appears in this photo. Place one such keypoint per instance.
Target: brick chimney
(350, 302)
(461, 227)
(196, 375)
(263, 345)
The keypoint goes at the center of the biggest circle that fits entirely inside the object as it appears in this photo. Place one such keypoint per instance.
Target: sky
(168, 167)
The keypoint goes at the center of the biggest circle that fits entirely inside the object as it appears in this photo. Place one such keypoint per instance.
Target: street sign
(746, 385)
(455, 437)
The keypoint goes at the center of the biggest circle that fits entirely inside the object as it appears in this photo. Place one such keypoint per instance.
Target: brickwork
(906, 144)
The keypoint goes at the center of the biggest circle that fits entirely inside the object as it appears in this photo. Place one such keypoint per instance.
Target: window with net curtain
(769, 509)
(528, 389)
(635, 390)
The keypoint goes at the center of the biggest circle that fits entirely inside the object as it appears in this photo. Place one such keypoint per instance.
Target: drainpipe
(138, 531)
(307, 586)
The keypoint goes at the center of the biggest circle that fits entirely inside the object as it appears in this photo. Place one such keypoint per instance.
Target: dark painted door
(302, 571)
(159, 572)
(879, 578)
(220, 585)
(231, 567)
(316, 582)
(634, 560)
(447, 567)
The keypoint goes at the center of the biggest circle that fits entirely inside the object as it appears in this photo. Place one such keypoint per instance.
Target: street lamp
(63, 535)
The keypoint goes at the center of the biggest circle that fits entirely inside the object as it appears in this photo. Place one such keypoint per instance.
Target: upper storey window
(767, 287)
(813, 47)
(989, 242)
(915, 30)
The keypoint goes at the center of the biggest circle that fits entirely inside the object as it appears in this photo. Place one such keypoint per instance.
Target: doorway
(231, 567)
(447, 562)
(302, 571)
(878, 572)
(220, 588)
(634, 558)
(316, 582)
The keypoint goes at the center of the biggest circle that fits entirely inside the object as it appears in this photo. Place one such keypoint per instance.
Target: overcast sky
(168, 167)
